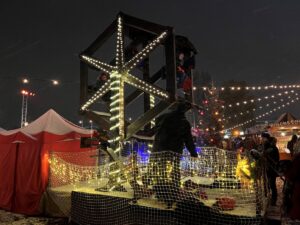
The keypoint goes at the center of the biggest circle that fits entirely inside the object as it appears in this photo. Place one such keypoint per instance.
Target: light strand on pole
(119, 47)
(152, 104)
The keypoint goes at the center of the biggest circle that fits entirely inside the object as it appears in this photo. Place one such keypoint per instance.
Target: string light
(288, 123)
(144, 86)
(259, 99)
(104, 89)
(152, 104)
(264, 114)
(254, 88)
(260, 107)
(142, 54)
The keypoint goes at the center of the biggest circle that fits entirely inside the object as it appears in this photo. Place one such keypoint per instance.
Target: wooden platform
(119, 208)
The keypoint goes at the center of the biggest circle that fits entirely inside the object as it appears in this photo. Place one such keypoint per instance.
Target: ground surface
(7, 218)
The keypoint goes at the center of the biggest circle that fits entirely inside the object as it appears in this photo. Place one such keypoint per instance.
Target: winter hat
(265, 135)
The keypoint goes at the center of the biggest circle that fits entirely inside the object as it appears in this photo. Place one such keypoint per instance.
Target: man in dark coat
(271, 155)
(173, 131)
(291, 143)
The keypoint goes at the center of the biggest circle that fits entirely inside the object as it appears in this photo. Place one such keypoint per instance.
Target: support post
(170, 65)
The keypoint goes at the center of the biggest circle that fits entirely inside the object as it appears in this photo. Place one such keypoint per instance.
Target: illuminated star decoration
(119, 74)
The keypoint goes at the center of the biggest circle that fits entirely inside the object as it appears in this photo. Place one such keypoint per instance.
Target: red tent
(24, 159)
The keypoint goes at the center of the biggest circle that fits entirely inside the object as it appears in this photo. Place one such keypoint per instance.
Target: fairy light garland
(253, 88)
(105, 88)
(152, 104)
(260, 107)
(259, 99)
(264, 114)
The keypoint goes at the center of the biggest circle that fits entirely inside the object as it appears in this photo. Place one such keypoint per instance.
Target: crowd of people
(264, 148)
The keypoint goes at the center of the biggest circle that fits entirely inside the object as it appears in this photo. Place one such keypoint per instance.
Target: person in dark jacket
(271, 155)
(173, 132)
(293, 178)
(291, 143)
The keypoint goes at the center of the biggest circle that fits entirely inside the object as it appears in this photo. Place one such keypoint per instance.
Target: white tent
(50, 122)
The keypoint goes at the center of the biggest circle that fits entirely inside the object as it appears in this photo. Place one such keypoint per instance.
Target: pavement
(7, 218)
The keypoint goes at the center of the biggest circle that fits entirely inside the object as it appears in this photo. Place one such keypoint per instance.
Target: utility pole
(25, 95)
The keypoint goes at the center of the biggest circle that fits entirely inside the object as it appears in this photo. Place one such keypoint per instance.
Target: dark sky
(255, 40)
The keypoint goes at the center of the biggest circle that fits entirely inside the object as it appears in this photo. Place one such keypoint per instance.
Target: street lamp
(25, 81)
(91, 122)
(55, 82)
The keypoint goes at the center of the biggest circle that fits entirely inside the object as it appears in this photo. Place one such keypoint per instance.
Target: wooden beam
(146, 117)
(146, 77)
(83, 82)
(170, 65)
(101, 39)
(143, 25)
(151, 89)
(101, 120)
(134, 95)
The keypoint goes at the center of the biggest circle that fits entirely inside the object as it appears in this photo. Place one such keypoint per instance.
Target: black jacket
(173, 131)
(271, 153)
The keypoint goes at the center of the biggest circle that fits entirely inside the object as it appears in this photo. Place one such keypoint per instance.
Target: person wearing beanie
(172, 133)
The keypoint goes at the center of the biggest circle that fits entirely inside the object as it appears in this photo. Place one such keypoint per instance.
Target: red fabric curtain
(7, 171)
(28, 182)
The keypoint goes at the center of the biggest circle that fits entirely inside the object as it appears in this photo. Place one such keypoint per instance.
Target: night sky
(255, 40)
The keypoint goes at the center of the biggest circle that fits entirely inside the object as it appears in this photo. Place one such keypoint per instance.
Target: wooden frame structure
(139, 32)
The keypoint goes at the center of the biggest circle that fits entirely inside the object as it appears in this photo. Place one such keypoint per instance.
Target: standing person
(293, 178)
(291, 144)
(173, 131)
(271, 155)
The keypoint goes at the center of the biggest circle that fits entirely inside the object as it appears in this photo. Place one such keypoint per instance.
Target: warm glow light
(25, 81)
(236, 133)
(55, 82)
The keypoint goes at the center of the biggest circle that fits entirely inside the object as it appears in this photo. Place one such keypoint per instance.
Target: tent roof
(285, 117)
(50, 122)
